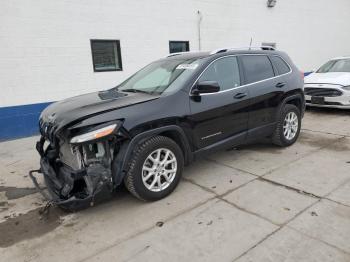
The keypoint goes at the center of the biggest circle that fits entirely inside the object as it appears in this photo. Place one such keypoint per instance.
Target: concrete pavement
(253, 203)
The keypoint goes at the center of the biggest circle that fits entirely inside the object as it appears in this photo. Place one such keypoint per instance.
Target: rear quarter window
(257, 68)
(280, 64)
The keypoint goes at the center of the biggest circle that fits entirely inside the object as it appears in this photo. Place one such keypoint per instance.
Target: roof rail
(180, 53)
(341, 57)
(221, 50)
(174, 54)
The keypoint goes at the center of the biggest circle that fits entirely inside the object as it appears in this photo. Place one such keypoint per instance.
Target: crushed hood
(61, 113)
(334, 78)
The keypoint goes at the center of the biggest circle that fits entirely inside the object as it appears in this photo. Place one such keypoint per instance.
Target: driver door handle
(240, 95)
(280, 85)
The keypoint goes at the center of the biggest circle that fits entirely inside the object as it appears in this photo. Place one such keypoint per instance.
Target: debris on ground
(159, 224)
(210, 222)
(314, 214)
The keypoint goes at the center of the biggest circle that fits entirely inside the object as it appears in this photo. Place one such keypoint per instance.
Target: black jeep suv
(145, 130)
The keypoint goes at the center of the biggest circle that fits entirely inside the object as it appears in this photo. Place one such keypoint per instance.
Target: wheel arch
(173, 132)
(296, 99)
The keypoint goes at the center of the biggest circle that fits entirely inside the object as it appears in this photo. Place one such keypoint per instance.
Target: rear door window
(280, 64)
(257, 68)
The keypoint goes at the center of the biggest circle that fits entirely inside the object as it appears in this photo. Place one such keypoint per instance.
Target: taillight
(302, 75)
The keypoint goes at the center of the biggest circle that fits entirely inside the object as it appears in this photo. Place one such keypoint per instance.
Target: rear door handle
(240, 95)
(280, 85)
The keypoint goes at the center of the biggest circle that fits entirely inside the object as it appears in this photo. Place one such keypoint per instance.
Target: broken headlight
(94, 134)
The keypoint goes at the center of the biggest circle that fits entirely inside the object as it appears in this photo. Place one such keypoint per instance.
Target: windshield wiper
(135, 91)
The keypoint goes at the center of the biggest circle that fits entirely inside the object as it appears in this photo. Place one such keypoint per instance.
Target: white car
(329, 86)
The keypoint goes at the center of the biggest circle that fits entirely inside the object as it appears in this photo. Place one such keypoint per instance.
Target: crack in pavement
(325, 132)
(299, 191)
(235, 168)
(314, 238)
(303, 156)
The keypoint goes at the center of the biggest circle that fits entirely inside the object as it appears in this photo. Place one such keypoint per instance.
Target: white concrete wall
(45, 52)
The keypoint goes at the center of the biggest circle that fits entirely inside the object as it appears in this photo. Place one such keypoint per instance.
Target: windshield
(341, 65)
(161, 76)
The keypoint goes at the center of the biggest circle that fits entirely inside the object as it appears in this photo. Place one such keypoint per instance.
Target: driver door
(224, 114)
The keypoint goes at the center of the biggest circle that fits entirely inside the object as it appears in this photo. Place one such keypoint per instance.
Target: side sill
(261, 132)
(235, 140)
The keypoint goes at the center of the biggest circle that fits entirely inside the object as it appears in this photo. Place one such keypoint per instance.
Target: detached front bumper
(68, 188)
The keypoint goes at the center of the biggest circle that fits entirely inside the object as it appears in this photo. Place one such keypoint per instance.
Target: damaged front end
(78, 163)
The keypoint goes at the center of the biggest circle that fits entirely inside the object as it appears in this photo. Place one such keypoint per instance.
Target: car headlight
(95, 134)
(347, 88)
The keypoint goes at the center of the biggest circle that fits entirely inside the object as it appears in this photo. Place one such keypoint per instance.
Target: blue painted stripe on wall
(20, 121)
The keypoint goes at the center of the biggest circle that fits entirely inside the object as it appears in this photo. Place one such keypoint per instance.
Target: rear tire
(288, 126)
(155, 169)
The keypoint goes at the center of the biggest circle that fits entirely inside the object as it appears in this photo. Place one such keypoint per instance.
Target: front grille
(323, 92)
(327, 103)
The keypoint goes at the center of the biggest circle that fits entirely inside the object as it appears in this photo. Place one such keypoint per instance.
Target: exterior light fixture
(271, 3)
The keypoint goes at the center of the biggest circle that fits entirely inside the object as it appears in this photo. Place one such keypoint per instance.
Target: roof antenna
(251, 41)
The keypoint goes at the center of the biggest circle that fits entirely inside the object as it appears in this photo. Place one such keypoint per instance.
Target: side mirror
(206, 87)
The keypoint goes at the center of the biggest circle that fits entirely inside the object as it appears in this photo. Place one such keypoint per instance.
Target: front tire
(288, 126)
(155, 169)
